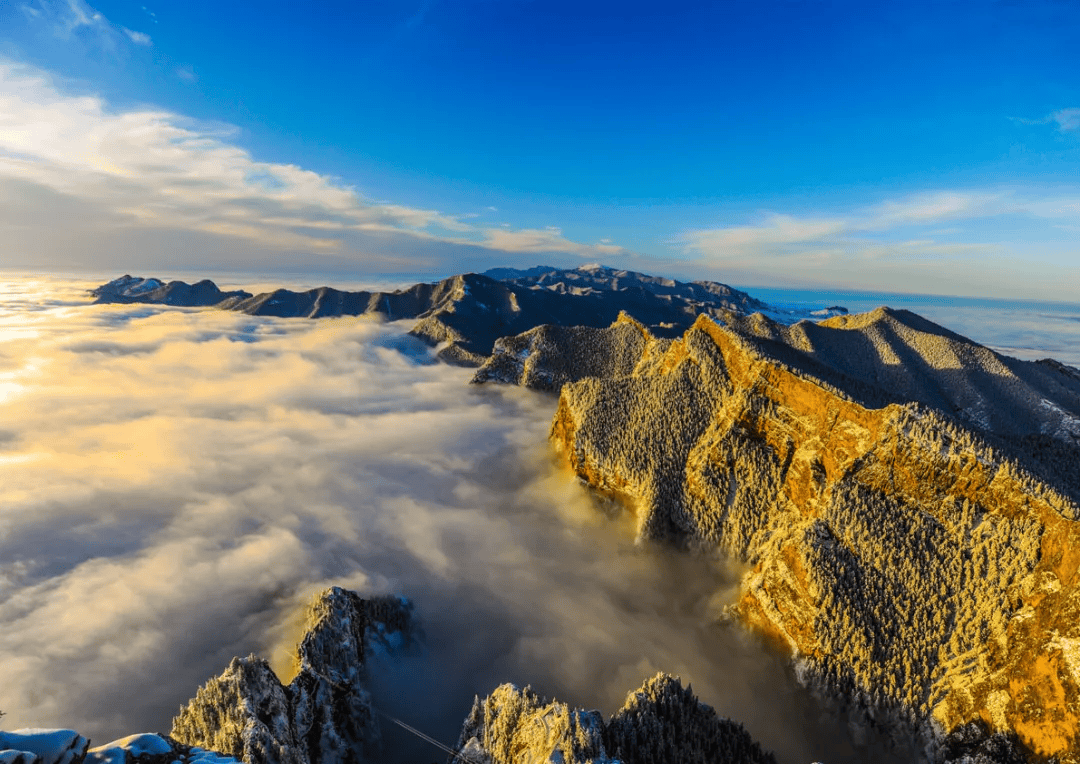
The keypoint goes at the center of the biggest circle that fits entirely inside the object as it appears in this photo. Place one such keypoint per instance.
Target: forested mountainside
(906, 500)
(324, 716)
(469, 312)
(660, 722)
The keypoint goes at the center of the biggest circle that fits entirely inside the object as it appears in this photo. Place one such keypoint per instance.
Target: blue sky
(896, 146)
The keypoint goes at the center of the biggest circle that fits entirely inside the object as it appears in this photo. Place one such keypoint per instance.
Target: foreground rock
(660, 722)
(906, 499)
(468, 313)
(324, 716)
(69, 747)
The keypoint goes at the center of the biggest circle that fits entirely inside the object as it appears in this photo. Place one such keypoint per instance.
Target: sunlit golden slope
(922, 568)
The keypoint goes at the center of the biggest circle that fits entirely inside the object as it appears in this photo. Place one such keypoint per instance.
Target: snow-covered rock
(58, 746)
(324, 716)
(660, 722)
(43, 746)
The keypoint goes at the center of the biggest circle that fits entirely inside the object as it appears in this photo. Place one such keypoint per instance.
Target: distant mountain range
(470, 311)
(907, 500)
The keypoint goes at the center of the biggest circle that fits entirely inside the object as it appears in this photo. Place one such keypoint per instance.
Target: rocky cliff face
(915, 558)
(324, 716)
(661, 722)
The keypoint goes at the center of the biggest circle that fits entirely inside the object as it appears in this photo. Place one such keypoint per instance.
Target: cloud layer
(176, 483)
(84, 186)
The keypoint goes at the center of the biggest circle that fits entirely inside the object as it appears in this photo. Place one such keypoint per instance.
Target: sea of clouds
(175, 484)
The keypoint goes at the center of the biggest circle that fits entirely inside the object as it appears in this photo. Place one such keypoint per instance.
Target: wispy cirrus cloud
(148, 186)
(961, 241)
(66, 18)
(1067, 120)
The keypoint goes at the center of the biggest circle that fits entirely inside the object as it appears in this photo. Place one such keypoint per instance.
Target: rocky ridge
(912, 542)
(660, 722)
(467, 313)
(324, 715)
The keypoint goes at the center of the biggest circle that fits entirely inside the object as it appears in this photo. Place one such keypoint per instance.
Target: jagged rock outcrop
(512, 725)
(324, 716)
(36, 746)
(661, 722)
(467, 313)
(923, 566)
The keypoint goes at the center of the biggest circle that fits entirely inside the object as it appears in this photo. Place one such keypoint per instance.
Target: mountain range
(907, 501)
(465, 314)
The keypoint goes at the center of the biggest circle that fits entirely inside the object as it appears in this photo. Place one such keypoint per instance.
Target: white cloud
(139, 38)
(775, 230)
(154, 180)
(936, 207)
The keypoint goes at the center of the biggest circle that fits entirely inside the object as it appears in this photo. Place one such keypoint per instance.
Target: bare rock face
(916, 559)
(324, 716)
(661, 722)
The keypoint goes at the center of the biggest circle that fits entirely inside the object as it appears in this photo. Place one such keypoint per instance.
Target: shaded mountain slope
(912, 359)
(912, 564)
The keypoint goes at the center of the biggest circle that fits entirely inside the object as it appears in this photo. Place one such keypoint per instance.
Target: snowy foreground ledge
(39, 746)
